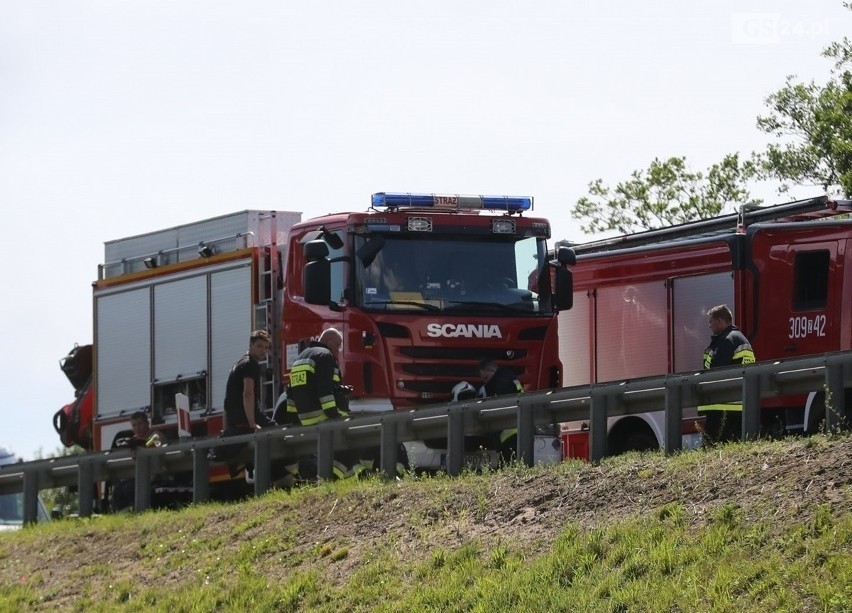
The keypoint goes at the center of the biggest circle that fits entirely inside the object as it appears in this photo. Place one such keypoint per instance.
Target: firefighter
(500, 381)
(315, 382)
(124, 491)
(316, 394)
(728, 346)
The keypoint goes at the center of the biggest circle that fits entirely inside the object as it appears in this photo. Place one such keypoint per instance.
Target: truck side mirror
(564, 293)
(566, 256)
(564, 290)
(316, 278)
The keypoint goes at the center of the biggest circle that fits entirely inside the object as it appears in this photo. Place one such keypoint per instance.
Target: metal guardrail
(595, 403)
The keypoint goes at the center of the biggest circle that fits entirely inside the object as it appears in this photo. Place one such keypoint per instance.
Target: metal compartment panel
(181, 243)
(632, 335)
(575, 351)
(692, 297)
(123, 341)
(180, 328)
(231, 315)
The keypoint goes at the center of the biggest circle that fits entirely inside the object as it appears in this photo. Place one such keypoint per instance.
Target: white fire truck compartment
(177, 331)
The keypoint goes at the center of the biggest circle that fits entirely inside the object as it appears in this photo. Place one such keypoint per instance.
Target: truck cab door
(799, 294)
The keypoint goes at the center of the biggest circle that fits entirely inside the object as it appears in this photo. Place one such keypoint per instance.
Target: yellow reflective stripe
(336, 378)
(505, 435)
(707, 359)
(327, 402)
(721, 406)
(518, 386)
(312, 418)
(745, 355)
(339, 470)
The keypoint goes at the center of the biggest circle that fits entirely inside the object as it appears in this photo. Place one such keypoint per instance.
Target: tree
(63, 500)
(814, 125)
(666, 193)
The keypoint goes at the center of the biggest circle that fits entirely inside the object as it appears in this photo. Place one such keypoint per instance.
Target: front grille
(434, 387)
(458, 371)
(445, 386)
(462, 353)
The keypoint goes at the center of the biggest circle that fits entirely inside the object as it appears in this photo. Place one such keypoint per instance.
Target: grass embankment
(757, 527)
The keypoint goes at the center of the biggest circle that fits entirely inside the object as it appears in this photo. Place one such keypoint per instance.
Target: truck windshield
(450, 274)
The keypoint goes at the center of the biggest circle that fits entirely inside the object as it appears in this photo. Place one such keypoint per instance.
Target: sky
(118, 118)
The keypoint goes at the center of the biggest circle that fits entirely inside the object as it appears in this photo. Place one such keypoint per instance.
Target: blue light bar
(452, 201)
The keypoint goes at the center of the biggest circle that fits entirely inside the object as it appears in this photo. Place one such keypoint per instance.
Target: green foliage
(814, 126)
(62, 499)
(668, 192)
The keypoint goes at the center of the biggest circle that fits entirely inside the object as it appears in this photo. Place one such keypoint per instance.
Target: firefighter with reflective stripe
(315, 384)
(316, 393)
(501, 381)
(728, 346)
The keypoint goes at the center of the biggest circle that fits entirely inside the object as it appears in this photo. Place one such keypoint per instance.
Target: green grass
(252, 556)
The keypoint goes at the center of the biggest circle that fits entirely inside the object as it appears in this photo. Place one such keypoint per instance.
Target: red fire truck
(421, 286)
(640, 306)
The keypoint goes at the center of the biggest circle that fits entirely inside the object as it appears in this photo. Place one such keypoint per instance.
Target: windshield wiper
(423, 305)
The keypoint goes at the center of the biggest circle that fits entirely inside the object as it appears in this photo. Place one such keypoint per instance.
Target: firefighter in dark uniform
(728, 346)
(500, 381)
(315, 394)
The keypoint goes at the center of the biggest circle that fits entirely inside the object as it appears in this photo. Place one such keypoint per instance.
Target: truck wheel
(816, 417)
(631, 434)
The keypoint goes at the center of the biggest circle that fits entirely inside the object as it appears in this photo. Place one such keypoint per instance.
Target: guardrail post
(32, 479)
(835, 408)
(200, 475)
(325, 453)
(674, 415)
(526, 431)
(262, 465)
(142, 497)
(388, 449)
(455, 440)
(597, 425)
(85, 488)
(751, 405)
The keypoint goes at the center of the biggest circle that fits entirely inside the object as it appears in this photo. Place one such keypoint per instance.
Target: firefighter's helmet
(463, 391)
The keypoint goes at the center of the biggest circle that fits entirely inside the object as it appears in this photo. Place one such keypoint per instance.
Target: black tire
(816, 418)
(631, 434)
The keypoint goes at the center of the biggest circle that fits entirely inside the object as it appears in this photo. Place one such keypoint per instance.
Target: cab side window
(811, 280)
